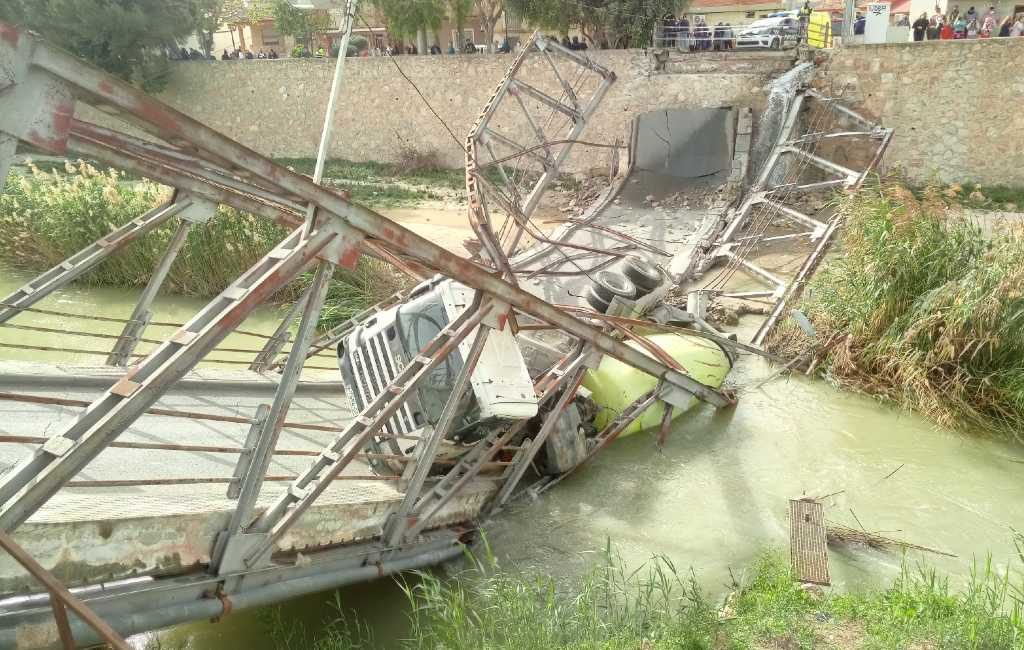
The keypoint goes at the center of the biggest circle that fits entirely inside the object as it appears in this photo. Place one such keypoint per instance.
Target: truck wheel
(646, 276)
(596, 302)
(608, 284)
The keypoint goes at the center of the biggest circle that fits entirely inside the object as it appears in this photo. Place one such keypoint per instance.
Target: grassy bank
(46, 217)
(659, 606)
(921, 307)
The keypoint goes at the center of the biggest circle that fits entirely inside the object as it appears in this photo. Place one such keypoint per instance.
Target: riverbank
(923, 306)
(661, 605)
(50, 212)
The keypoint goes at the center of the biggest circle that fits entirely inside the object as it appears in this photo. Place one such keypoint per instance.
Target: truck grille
(375, 368)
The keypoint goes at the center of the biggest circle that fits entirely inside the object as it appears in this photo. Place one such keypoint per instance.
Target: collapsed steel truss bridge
(44, 93)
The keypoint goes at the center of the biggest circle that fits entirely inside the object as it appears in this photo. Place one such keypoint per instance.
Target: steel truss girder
(136, 606)
(481, 138)
(88, 258)
(174, 126)
(210, 166)
(27, 486)
(773, 196)
(285, 511)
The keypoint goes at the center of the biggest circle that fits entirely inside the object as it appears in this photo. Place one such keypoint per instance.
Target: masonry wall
(277, 107)
(957, 106)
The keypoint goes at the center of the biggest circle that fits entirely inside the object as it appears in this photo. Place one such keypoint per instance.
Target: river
(712, 499)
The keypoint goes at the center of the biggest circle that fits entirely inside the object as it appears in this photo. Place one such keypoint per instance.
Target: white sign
(876, 22)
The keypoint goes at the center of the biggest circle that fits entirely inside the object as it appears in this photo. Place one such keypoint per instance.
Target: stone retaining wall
(957, 106)
(277, 107)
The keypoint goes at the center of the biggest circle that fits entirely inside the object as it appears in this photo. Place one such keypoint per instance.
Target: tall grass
(657, 606)
(928, 309)
(46, 217)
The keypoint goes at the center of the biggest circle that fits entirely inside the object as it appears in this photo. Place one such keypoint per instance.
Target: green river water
(712, 499)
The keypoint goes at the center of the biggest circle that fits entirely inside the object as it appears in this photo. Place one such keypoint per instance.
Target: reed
(922, 307)
(45, 217)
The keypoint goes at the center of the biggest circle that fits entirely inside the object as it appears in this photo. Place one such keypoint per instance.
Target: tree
(406, 17)
(301, 24)
(211, 14)
(459, 11)
(489, 12)
(127, 38)
(605, 23)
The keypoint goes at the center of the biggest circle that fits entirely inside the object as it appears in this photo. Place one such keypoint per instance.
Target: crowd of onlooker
(956, 25)
(679, 33)
(239, 54)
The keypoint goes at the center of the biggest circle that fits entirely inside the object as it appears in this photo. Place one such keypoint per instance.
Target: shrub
(930, 311)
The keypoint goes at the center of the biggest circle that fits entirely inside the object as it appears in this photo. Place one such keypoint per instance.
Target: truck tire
(608, 284)
(596, 302)
(644, 275)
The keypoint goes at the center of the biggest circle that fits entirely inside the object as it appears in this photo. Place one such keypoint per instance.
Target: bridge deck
(86, 534)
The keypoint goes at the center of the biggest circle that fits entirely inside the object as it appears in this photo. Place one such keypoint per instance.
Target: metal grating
(807, 548)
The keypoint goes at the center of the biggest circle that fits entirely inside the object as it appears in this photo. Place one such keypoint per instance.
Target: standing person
(668, 30)
(935, 26)
(805, 19)
(988, 23)
(1018, 26)
(1004, 27)
(225, 56)
(273, 54)
(972, 27)
(683, 35)
(728, 37)
(435, 49)
(952, 16)
(858, 25)
(960, 28)
(469, 48)
(451, 47)
(920, 26)
(946, 32)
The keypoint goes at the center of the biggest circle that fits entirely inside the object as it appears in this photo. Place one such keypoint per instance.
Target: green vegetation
(996, 197)
(46, 217)
(657, 606)
(428, 173)
(922, 308)
(124, 37)
(605, 23)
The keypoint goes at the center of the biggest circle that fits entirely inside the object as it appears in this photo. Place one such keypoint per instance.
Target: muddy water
(712, 498)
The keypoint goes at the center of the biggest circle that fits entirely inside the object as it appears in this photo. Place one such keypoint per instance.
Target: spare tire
(608, 284)
(646, 276)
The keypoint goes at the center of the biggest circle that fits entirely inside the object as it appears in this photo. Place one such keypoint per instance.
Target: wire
(458, 143)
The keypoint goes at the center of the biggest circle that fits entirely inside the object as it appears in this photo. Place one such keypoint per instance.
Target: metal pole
(59, 276)
(332, 100)
(268, 354)
(141, 315)
(568, 394)
(252, 482)
(58, 590)
(425, 451)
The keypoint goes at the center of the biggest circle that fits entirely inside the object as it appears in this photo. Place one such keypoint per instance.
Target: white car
(773, 33)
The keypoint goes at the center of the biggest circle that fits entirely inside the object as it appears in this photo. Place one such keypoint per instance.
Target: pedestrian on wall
(227, 57)
(435, 49)
(683, 35)
(988, 23)
(935, 25)
(469, 48)
(451, 47)
(960, 28)
(1004, 27)
(973, 29)
(1018, 26)
(946, 32)
(920, 26)
(858, 25)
